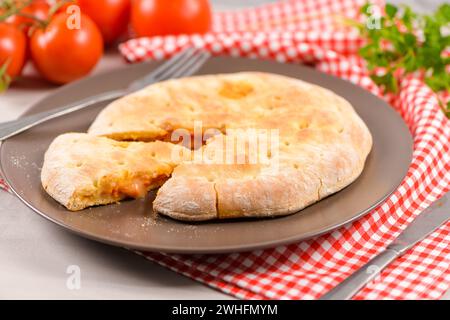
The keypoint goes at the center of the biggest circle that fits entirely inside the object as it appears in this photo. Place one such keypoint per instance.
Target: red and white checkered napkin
(306, 31)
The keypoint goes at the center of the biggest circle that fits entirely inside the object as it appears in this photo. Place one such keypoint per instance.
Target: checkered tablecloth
(308, 31)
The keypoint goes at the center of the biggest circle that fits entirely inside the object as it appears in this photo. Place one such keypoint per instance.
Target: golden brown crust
(82, 170)
(187, 198)
(323, 144)
(323, 147)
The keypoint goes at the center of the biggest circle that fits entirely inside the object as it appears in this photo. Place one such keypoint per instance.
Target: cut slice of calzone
(82, 170)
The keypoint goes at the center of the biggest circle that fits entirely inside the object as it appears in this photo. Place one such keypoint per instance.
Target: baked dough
(82, 170)
(323, 144)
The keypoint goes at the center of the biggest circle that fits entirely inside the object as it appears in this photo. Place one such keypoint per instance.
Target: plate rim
(217, 249)
(193, 250)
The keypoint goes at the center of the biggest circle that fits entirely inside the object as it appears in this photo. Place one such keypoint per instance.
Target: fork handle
(12, 128)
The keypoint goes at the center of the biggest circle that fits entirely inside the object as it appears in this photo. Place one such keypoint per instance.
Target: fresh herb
(403, 42)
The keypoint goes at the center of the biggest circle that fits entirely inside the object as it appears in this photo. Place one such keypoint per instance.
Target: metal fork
(183, 64)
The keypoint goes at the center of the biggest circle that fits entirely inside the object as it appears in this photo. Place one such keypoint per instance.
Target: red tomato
(162, 17)
(38, 9)
(111, 16)
(63, 54)
(13, 43)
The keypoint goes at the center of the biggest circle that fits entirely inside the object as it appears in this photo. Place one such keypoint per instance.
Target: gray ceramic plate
(132, 224)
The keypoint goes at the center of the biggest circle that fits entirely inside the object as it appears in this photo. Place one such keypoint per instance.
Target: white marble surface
(35, 254)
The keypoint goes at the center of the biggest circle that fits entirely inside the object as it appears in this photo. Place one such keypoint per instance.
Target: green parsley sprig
(404, 42)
